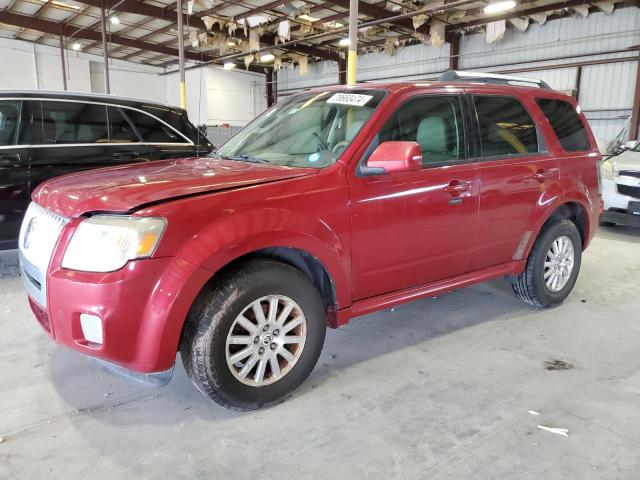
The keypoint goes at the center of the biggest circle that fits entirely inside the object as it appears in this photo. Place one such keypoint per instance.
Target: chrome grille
(629, 173)
(38, 237)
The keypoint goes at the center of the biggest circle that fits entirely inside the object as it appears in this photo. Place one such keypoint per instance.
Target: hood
(628, 160)
(124, 188)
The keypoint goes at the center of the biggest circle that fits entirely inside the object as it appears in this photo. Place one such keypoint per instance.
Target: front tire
(552, 267)
(255, 336)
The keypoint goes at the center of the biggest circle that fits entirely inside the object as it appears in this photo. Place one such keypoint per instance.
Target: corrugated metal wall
(606, 90)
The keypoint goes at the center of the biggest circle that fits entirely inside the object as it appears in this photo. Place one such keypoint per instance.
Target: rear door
(14, 169)
(413, 228)
(515, 170)
(154, 128)
(73, 136)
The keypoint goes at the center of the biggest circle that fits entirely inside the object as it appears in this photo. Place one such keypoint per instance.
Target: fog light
(91, 328)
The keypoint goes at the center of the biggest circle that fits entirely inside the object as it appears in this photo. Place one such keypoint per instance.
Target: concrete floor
(439, 389)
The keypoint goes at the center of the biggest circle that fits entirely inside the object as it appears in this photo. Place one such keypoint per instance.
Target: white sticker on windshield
(352, 99)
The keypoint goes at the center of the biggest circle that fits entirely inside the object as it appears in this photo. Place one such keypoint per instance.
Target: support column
(576, 90)
(635, 111)
(352, 59)
(64, 63)
(105, 53)
(272, 87)
(183, 85)
(342, 71)
(454, 51)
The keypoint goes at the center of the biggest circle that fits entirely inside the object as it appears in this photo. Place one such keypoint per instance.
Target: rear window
(505, 127)
(153, 130)
(566, 124)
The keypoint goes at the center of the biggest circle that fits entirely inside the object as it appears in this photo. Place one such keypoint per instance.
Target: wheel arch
(573, 210)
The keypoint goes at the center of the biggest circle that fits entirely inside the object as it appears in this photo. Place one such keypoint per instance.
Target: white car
(621, 188)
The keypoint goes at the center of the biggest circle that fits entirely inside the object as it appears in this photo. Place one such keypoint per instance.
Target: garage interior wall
(214, 96)
(605, 91)
(20, 60)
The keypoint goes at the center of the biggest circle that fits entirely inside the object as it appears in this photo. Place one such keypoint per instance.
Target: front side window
(566, 124)
(505, 127)
(311, 129)
(74, 122)
(9, 120)
(435, 123)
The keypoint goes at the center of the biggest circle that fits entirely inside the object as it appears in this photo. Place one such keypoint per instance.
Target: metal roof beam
(140, 8)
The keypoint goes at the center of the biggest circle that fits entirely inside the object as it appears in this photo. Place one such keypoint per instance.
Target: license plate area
(634, 208)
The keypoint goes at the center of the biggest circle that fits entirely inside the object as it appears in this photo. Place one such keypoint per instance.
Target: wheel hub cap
(558, 263)
(266, 340)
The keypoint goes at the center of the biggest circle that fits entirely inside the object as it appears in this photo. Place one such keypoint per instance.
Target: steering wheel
(321, 143)
(339, 145)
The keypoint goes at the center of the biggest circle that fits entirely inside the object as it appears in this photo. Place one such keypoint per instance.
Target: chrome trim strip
(58, 145)
(45, 99)
(28, 272)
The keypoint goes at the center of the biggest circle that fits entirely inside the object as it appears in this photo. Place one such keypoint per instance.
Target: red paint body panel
(121, 189)
(383, 239)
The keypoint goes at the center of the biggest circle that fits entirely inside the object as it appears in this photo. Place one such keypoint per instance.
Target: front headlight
(607, 170)
(105, 243)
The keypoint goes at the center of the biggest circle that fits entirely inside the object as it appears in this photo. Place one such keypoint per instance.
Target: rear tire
(536, 285)
(241, 355)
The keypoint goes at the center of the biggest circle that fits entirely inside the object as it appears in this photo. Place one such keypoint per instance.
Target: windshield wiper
(244, 158)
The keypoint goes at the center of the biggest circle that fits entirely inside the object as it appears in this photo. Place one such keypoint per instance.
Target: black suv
(46, 134)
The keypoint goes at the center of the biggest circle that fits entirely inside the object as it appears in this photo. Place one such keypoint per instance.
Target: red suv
(335, 203)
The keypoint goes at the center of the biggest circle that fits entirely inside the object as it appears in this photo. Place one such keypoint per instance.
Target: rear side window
(74, 122)
(9, 119)
(505, 127)
(120, 128)
(566, 124)
(151, 129)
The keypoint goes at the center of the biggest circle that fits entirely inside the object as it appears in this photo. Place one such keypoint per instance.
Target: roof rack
(484, 77)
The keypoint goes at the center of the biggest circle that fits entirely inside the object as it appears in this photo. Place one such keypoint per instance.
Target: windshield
(311, 129)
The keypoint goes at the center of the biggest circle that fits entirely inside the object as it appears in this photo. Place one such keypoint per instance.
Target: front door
(413, 228)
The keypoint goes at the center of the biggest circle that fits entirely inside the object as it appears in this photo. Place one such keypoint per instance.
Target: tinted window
(9, 119)
(74, 122)
(151, 129)
(120, 128)
(566, 124)
(505, 127)
(434, 123)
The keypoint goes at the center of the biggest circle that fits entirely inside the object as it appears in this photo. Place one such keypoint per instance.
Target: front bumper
(142, 309)
(620, 218)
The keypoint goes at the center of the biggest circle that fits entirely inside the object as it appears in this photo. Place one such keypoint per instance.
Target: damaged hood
(125, 188)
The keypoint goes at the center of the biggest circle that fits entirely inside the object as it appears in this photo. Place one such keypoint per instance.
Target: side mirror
(394, 157)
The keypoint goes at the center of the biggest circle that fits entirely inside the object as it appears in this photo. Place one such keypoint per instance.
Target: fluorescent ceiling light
(76, 46)
(231, 44)
(308, 18)
(499, 7)
(58, 3)
(267, 57)
(114, 20)
(344, 42)
(228, 65)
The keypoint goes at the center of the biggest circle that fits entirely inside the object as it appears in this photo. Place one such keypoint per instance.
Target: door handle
(9, 160)
(125, 155)
(456, 188)
(541, 175)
